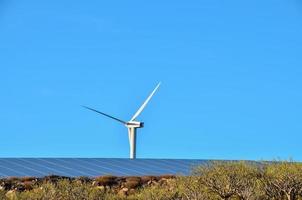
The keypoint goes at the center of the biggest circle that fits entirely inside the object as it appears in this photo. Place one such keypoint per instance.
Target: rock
(101, 187)
(147, 179)
(131, 191)
(28, 185)
(11, 194)
(162, 181)
(83, 179)
(123, 192)
(94, 183)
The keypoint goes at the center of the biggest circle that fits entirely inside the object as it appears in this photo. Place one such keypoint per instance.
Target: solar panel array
(92, 167)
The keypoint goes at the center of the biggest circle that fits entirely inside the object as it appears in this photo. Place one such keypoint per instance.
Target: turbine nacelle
(134, 124)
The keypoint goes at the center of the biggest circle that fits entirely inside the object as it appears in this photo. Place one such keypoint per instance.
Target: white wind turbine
(132, 125)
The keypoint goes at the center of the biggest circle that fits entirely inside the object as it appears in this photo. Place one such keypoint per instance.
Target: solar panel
(92, 167)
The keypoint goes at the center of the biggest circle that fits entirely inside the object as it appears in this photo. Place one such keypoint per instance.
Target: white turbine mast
(132, 124)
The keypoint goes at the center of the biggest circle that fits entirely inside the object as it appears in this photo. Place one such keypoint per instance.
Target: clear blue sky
(231, 75)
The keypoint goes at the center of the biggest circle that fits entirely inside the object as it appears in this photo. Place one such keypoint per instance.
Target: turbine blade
(119, 120)
(144, 104)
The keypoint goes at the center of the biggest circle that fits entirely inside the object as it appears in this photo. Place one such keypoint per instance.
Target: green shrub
(156, 193)
(191, 187)
(282, 180)
(229, 179)
(2, 194)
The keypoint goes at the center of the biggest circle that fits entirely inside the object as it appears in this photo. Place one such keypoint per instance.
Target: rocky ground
(118, 185)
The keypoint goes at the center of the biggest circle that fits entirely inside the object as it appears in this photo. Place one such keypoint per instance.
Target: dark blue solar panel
(92, 167)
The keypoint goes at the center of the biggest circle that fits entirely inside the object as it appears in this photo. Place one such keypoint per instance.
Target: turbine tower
(132, 125)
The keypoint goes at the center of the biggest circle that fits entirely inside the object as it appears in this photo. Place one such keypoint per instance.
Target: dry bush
(13, 179)
(63, 190)
(9, 183)
(55, 178)
(6, 185)
(84, 179)
(146, 179)
(28, 178)
(155, 192)
(132, 182)
(12, 183)
(106, 180)
(167, 176)
(28, 185)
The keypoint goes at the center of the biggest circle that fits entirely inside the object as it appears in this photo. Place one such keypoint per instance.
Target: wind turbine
(132, 124)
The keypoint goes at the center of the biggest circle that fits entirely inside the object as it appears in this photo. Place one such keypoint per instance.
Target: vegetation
(214, 181)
